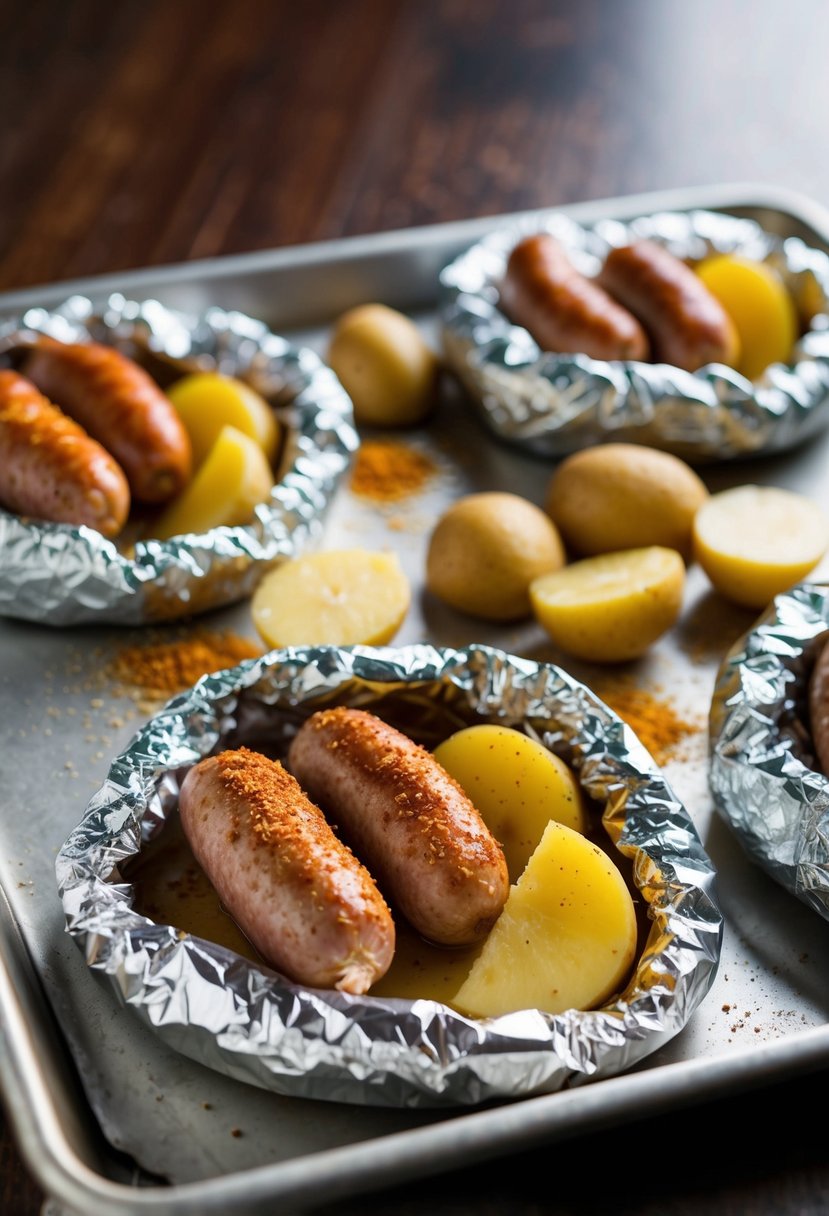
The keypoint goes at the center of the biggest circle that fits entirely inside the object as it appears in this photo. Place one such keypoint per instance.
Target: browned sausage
(307, 904)
(564, 310)
(819, 708)
(50, 468)
(118, 403)
(686, 324)
(409, 821)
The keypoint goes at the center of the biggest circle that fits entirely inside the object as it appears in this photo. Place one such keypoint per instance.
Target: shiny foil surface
(250, 1023)
(60, 575)
(554, 404)
(763, 773)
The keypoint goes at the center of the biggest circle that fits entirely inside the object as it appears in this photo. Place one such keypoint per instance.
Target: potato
(485, 551)
(385, 365)
(517, 785)
(207, 401)
(624, 496)
(755, 541)
(341, 597)
(611, 608)
(566, 938)
(234, 478)
(756, 299)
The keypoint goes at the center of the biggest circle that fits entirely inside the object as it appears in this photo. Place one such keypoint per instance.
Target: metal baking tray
(110, 1121)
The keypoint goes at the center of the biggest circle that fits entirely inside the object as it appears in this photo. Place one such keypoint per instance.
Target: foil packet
(248, 1022)
(555, 404)
(60, 575)
(763, 773)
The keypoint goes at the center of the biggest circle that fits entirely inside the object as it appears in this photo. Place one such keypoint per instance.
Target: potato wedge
(207, 401)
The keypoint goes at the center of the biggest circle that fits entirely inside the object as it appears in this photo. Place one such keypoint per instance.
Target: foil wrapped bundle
(62, 575)
(763, 775)
(554, 404)
(249, 1022)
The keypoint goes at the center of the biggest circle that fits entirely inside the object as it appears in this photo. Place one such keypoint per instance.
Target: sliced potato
(235, 478)
(757, 301)
(624, 496)
(611, 608)
(566, 938)
(207, 401)
(341, 597)
(517, 785)
(385, 365)
(754, 542)
(485, 551)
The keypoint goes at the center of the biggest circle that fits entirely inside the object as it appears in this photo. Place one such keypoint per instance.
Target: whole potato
(485, 551)
(624, 496)
(385, 365)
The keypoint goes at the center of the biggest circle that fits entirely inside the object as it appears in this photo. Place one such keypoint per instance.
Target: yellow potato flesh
(385, 366)
(235, 478)
(516, 784)
(762, 310)
(566, 938)
(613, 607)
(341, 597)
(207, 401)
(754, 542)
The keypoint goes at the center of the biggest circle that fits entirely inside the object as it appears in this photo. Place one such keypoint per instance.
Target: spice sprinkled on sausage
(412, 824)
(303, 899)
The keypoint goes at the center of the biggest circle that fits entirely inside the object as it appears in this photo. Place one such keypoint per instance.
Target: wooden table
(148, 132)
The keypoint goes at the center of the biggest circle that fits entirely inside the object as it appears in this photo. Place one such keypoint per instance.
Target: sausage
(303, 899)
(409, 821)
(819, 708)
(686, 324)
(50, 468)
(119, 404)
(563, 309)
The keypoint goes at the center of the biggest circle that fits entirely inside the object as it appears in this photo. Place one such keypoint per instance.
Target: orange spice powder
(655, 722)
(163, 668)
(386, 471)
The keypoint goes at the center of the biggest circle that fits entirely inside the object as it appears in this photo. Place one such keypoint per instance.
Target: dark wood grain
(155, 131)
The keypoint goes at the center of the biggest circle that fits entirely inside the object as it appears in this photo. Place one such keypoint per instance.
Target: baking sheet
(60, 724)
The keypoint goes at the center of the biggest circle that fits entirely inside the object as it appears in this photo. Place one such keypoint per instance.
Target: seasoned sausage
(50, 468)
(819, 708)
(563, 309)
(118, 403)
(409, 821)
(686, 324)
(295, 890)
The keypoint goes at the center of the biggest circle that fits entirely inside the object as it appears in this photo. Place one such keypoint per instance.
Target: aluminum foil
(250, 1023)
(763, 773)
(61, 575)
(554, 404)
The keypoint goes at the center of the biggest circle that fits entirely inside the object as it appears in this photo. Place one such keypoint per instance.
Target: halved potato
(517, 785)
(566, 938)
(207, 401)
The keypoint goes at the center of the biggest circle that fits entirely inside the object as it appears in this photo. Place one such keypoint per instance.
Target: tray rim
(31, 1106)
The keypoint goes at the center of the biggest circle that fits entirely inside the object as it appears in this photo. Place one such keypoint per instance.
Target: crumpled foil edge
(248, 1022)
(59, 575)
(760, 773)
(552, 405)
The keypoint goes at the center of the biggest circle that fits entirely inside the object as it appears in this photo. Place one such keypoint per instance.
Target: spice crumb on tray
(660, 727)
(162, 668)
(388, 471)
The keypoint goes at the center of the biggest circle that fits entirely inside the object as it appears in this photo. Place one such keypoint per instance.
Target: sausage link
(687, 325)
(563, 309)
(50, 468)
(119, 404)
(411, 823)
(295, 890)
(819, 708)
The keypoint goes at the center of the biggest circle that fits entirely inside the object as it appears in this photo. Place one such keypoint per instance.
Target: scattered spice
(654, 721)
(386, 471)
(163, 668)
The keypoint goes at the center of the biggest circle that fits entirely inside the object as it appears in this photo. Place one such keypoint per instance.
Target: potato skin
(624, 496)
(485, 551)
